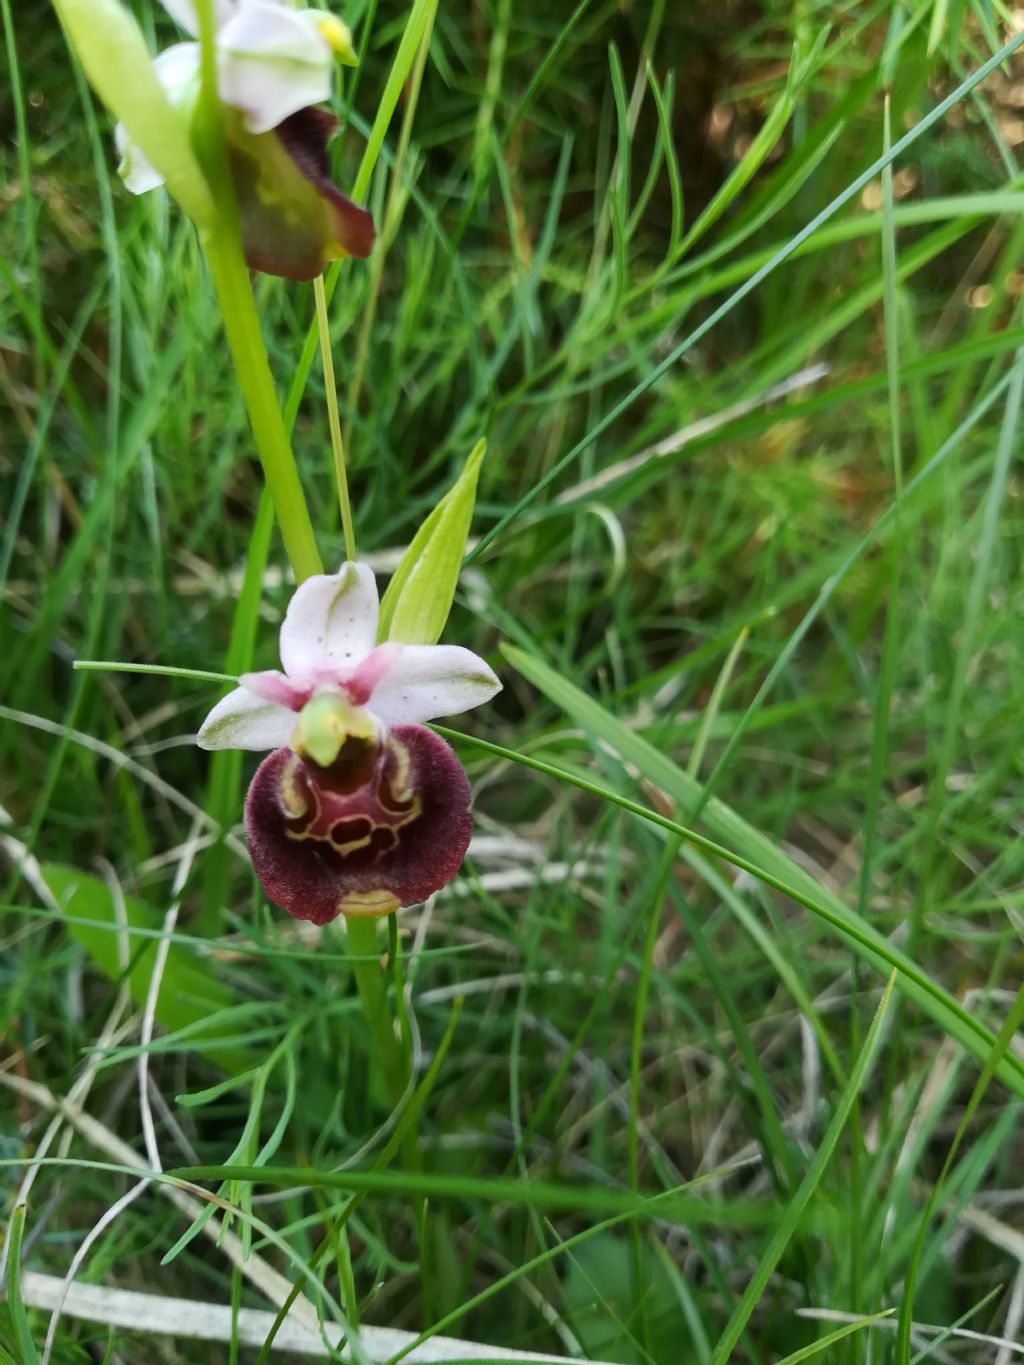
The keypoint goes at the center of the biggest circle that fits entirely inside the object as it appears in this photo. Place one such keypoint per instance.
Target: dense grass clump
(716, 1037)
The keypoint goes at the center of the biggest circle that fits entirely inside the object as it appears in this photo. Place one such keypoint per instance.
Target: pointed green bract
(113, 53)
(419, 597)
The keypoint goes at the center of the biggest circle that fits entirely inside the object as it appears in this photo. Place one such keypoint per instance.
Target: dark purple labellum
(383, 826)
(293, 218)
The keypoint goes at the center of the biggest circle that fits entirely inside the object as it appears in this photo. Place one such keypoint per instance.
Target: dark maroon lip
(365, 839)
(294, 219)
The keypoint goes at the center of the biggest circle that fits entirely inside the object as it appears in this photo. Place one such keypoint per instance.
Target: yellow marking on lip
(293, 801)
(368, 904)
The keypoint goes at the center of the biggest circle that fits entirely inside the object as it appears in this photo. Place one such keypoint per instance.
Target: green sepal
(114, 56)
(419, 597)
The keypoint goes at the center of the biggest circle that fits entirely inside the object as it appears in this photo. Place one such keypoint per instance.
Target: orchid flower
(360, 808)
(274, 63)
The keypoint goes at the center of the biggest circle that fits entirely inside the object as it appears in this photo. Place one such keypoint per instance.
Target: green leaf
(764, 856)
(599, 1292)
(189, 991)
(114, 56)
(419, 597)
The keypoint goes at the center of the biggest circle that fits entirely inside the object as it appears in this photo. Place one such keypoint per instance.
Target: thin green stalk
(882, 707)
(241, 324)
(337, 444)
(222, 243)
(391, 217)
(643, 985)
(161, 670)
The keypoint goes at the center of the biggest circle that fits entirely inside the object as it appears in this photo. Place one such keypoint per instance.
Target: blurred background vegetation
(582, 188)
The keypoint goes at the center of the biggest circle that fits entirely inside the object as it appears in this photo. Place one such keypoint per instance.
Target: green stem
(234, 293)
(371, 981)
(337, 444)
(222, 242)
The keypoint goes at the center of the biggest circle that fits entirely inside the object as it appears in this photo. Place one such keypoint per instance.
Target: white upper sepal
(331, 622)
(245, 721)
(272, 62)
(423, 682)
(183, 12)
(177, 70)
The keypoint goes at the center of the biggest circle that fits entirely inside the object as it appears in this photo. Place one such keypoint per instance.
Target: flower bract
(274, 64)
(360, 808)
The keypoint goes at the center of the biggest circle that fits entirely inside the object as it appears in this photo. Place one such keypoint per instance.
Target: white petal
(177, 70)
(244, 721)
(138, 174)
(331, 623)
(272, 62)
(427, 681)
(183, 12)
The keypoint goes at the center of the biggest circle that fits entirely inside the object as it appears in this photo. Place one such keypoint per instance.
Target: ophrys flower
(360, 808)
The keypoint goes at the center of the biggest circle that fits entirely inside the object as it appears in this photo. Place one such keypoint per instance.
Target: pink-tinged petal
(294, 220)
(271, 62)
(331, 624)
(427, 681)
(326, 842)
(360, 685)
(245, 721)
(275, 687)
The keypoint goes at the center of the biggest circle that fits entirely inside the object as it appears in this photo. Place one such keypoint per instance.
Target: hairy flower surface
(360, 808)
(274, 63)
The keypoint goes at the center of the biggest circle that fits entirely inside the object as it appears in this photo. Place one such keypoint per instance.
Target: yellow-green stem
(222, 243)
(337, 445)
(234, 293)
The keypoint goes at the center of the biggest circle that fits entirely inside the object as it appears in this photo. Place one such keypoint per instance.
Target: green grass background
(785, 614)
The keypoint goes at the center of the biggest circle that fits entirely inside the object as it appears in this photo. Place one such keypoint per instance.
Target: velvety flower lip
(328, 643)
(321, 850)
(360, 809)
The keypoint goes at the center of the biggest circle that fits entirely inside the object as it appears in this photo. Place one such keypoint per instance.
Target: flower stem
(337, 445)
(222, 242)
(362, 940)
(234, 293)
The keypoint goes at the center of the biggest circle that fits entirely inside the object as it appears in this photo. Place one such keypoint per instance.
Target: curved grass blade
(27, 1353)
(757, 855)
(795, 1210)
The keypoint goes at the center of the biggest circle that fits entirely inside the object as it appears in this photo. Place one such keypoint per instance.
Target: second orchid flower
(275, 64)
